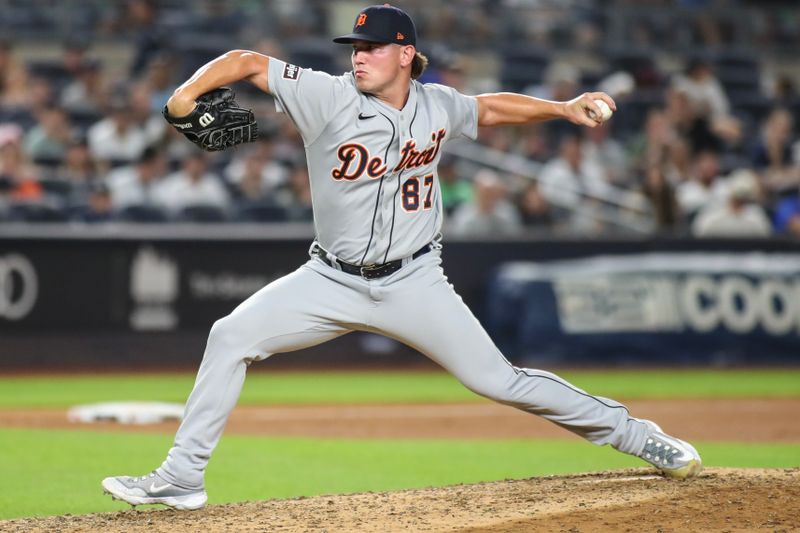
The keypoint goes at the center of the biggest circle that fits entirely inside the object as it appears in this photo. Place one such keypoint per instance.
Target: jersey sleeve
(310, 98)
(462, 111)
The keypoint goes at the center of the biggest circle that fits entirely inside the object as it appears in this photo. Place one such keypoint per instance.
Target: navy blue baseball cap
(382, 24)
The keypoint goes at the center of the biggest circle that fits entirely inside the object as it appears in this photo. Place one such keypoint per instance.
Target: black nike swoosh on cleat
(362, 116)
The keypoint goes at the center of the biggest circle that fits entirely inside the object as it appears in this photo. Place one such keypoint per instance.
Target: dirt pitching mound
(626, 500)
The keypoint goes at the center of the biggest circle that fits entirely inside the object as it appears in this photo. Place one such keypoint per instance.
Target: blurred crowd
(703, 143)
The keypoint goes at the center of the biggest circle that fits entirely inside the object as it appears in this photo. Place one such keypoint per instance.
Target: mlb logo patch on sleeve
(290, 72)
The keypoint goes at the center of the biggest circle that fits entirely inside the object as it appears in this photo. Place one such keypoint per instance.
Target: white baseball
(605, 111)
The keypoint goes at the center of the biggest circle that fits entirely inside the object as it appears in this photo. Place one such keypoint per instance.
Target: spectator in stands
(192, 185)
(19, 180)
(678, 164)
(705, 186)
(78, 165)
(48, 140)
(446, 67)
(708, 103)
(600, 150)
(453, 72)
(783, 90)
(222, 17)
(254, 170)
(533, 209)
(490, 213)
(685, 123)
(454, 188)
(117, 139)
(739, 216)
(86, 93)
(135, 184)
(567, 179)
(74, 55)
(694, 121)
(250, 188)
(177, 149)
(787, 216)
(533, 144)
(287, 145)
(650, 145)
(295, 194)
(160, 78)
(6, 60)
(661, 194)
(141, 22)
(42, 93)
(97, 205)
(561, 79)
(24, 96)
(146, 118)
(705, 27)
(13, 78)
(705, 94)
(772, 154)
(78, 169)
(500, 139)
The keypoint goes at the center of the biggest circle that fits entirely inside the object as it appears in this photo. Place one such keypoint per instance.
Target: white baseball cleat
(675, 458)
(151, 488)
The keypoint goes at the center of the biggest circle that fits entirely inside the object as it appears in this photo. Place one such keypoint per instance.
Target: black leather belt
(370, 271)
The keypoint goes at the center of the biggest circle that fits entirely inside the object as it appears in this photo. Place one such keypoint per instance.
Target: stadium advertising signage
(86, 286)
(704, 307)
(663, 307)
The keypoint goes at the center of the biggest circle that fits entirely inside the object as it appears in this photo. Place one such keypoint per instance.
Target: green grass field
(56, 472)
(386, 387)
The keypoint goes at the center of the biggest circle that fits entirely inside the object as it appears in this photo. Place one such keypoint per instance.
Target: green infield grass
(57, 472)
(388, 386)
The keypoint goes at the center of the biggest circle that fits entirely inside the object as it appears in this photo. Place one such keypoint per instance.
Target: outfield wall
(121, 296)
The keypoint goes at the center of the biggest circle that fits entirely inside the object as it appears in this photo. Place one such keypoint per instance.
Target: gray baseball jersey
(376, 199)
(372, 167)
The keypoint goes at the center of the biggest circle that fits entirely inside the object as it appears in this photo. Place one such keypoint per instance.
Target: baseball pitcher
(373, 138)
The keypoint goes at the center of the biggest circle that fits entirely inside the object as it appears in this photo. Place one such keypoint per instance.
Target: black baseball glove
(216, 122)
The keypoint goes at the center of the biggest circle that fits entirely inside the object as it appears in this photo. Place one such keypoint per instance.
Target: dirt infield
(628, 500)
(731, 420)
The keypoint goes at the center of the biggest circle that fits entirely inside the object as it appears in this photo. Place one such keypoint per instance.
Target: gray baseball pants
(417, 306)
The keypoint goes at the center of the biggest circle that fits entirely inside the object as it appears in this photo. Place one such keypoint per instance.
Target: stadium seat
(794, 107)
(26, 18)
(84, 213)
(299, 213)
(522, 67)
(36, 212)
(51, 70)
(83, 119)
(738, 70)
(315, 54)
(142, 213)
(633, 110)
(750, 107)
(56, 187)
(196, 49)
(49, 162)
(20, 116)
(262, 212)
(638, 62)
(740, 59)
(202, 213)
